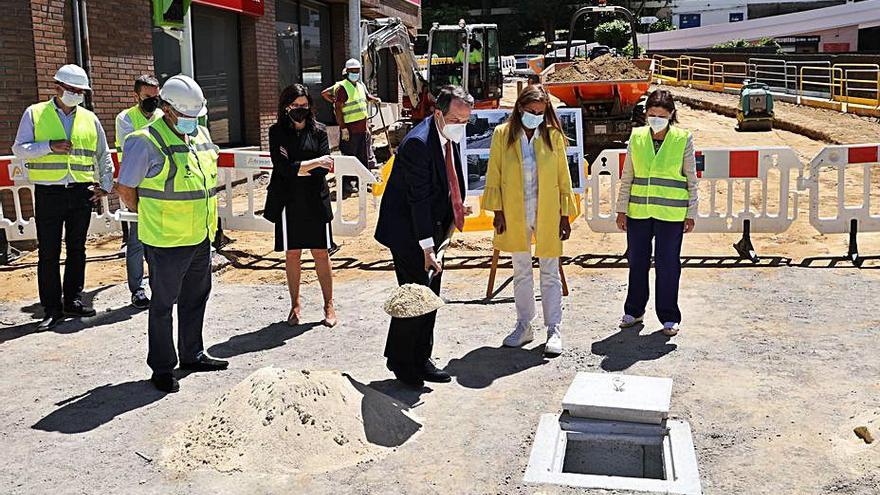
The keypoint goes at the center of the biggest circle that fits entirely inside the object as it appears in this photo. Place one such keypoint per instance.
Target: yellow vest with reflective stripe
(659, 188)
(355, 107)
(138, 122)
(80, 161)
(178, 207)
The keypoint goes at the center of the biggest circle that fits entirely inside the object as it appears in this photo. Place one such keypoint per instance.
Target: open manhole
(615, 434)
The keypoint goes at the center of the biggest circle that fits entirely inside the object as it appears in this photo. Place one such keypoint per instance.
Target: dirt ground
(775, 366)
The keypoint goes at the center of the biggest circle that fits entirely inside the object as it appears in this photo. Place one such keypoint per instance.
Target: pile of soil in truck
(604, 68)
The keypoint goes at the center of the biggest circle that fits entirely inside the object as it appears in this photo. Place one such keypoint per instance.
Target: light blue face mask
(187, 125)
(353, 76)
(531, 121)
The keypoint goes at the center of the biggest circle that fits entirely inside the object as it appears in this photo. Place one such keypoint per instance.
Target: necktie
(454, 191)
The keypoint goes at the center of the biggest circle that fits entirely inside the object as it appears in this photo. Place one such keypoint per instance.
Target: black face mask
(149, 105)
(299, 114)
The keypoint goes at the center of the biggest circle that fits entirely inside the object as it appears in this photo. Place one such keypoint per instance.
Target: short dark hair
(145, 80)
(662, 99)
(450, 93)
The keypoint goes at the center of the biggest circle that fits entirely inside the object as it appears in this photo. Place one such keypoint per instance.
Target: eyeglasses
(71, 89)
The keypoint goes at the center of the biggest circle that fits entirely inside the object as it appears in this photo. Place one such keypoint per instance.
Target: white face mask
(71, 99)
(453, 132)
(658, 123)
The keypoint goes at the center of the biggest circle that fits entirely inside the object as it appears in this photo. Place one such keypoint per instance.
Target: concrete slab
(615, 397)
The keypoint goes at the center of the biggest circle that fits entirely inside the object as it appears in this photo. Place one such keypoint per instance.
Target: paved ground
(774, 368)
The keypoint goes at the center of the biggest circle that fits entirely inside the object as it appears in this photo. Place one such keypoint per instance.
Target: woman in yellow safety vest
(657, 201)
(528, 186)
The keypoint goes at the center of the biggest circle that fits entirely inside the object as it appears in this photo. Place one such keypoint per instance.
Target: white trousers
(524, 289)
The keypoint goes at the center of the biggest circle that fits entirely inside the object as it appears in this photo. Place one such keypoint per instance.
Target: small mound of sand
(604, 68)
(411, 300)
(280, 421)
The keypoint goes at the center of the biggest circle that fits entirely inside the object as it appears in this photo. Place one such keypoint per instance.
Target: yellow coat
(504, 192)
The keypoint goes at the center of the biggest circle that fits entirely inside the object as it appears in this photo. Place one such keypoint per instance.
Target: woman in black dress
(298, 200)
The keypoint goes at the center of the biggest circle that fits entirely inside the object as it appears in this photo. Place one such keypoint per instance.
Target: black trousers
(411, 340)
(182, 276)
(61, 211)
(667, 237)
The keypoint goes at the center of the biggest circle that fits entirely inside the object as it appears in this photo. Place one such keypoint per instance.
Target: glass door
(316, 55)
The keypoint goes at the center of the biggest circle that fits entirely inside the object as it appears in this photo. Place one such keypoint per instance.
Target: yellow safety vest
(178, 207)
(138, 122)
(355, 107)
(80, 161)
(659, 188)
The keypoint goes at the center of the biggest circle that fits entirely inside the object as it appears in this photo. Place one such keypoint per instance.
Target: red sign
(835, 47)
(249, 7)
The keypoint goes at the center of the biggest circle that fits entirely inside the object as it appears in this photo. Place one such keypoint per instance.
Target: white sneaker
(553, 347)
(670, 329)
(630, 321)
(520, 336)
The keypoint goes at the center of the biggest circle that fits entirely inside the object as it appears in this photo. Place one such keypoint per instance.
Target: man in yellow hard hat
(65, 151)
(169, 177)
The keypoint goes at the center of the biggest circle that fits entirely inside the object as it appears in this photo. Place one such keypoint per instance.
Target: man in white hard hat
(65, 151)
(350, 103)
(169, 177)
(143, 113)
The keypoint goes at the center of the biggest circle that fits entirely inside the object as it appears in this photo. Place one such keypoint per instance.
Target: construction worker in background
(169, 177)
(350, 98)
(143, 113)
(65, 151)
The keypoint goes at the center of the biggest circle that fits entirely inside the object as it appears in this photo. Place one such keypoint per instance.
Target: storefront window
(287, 39)
(302, 31)
(218, 71)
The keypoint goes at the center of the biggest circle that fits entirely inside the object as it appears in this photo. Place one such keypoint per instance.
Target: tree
(614, 34)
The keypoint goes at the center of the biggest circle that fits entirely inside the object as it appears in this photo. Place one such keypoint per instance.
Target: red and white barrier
(234, 165)
(734, 177)
(838, 159)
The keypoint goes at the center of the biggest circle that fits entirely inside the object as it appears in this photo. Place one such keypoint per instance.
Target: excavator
(464, 54)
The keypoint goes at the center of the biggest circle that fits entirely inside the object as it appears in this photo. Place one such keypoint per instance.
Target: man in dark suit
(421, 205)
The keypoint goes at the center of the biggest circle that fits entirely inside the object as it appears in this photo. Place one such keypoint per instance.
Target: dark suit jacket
(306, 195)
(416, 203)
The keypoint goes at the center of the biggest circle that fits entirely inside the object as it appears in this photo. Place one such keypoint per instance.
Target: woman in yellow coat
(528, 186)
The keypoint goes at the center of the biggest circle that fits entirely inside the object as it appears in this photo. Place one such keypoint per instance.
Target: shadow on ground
(98, 406)
(385, 423)
(480, 367)
(268, 337)
(627, 347)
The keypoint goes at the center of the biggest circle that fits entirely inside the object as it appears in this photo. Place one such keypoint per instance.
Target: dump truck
(610, 107)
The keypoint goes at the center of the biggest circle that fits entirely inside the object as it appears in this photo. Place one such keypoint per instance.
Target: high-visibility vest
(355, 107)
(178, 207)
(79, 162)
(475, 57)
(138, 122)
(659, 188)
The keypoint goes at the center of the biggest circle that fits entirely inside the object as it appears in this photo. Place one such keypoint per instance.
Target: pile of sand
(280, 421)
(604, 68)
(411, 300)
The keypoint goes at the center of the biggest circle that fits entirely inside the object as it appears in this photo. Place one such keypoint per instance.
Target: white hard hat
(352, 63)
(184, 95)
(73, 75)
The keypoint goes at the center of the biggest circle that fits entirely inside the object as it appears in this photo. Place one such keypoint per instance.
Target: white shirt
(26, 148)
(530, 177)
(429, 242)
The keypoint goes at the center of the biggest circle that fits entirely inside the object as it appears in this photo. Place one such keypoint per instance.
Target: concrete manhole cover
(615, 434)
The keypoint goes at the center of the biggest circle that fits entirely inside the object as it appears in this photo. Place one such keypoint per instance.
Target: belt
(69, 185)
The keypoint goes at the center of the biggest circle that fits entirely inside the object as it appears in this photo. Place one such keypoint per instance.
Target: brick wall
(18, 83)
(118, 56)
(259, 64)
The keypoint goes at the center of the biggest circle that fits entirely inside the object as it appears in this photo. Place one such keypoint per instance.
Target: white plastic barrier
(724, 209)
(864, 158)
(16, 217)
(254, 161)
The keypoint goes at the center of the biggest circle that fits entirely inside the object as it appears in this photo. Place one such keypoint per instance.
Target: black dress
(298, 205)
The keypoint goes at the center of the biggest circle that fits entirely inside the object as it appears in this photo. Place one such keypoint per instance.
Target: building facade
(244, 53)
